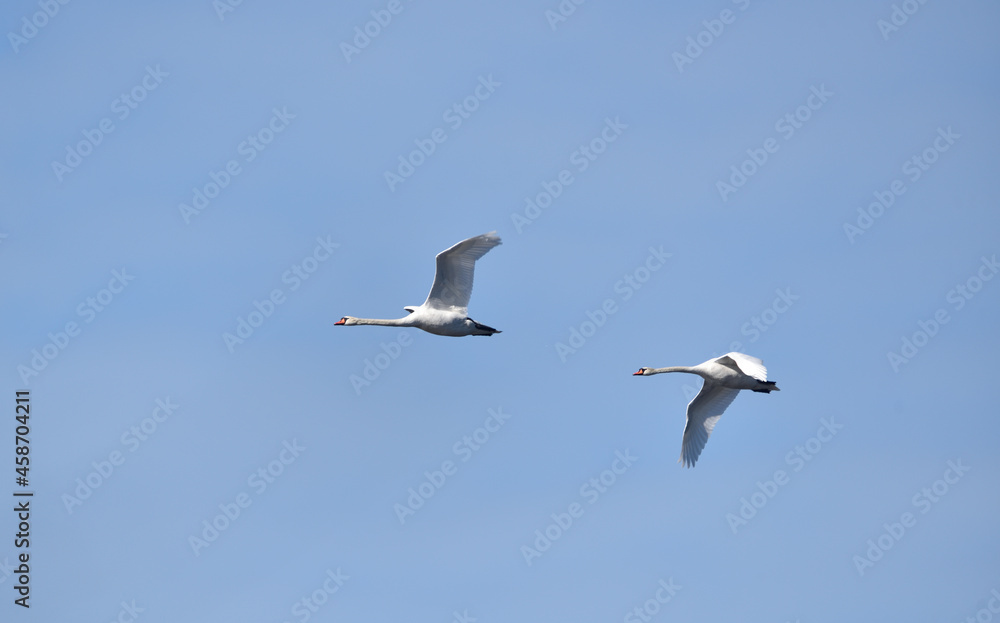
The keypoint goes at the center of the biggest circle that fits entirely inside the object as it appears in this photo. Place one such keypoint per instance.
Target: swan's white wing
(751, 366)
(702, 414)
(453, 277)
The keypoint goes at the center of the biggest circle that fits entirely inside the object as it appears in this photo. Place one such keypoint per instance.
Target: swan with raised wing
(724, 377)
(445, 312)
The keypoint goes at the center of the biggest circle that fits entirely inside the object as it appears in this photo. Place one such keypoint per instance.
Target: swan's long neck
(673, 369)
(393, 322)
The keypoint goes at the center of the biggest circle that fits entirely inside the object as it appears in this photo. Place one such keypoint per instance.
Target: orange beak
(341, 321)
(639, 373)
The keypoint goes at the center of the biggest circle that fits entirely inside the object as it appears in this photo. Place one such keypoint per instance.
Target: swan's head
(347, 321)
(642, 372)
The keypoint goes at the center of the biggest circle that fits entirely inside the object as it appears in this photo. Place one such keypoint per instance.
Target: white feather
(455, 271)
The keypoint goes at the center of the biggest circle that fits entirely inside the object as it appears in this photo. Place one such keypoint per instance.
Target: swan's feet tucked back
(767, 390)
(485, 330)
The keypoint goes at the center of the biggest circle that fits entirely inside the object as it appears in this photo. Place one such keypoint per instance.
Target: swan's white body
(446, 310)
(724, 377)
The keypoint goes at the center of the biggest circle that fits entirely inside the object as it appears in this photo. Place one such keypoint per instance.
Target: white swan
(724, 377)
(445, 312)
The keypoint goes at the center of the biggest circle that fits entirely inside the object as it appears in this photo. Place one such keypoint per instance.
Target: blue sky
(794, 181)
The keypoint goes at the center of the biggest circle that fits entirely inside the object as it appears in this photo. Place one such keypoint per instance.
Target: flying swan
(724, 377)
(445, 312)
